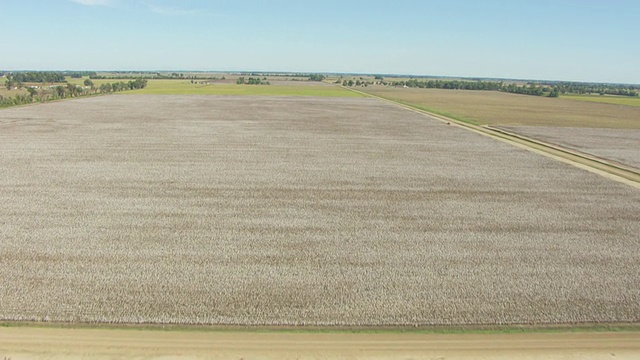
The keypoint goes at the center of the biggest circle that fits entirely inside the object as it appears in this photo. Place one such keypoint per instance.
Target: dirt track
(47, 343)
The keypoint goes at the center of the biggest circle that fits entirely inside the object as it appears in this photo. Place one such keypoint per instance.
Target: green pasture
(185, 87)
(10, 93)
(616, 100)
(96, 82)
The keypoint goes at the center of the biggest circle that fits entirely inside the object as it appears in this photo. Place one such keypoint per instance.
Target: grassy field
(299, 211)
(617, 100)
(11, 93)
(497, 108)
(96, 82)
(185, 87)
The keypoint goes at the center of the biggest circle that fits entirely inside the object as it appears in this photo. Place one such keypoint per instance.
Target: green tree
(73, 90)
(61, 91)
(88, 82)
(106, 88)
(32, 92)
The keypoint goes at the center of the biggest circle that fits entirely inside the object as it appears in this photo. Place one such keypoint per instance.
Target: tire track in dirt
(52, 343)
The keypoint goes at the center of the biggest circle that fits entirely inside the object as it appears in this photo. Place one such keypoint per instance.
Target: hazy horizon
(245, 72)
(583, 41)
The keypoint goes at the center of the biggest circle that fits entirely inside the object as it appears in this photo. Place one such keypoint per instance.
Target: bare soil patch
(30, 343)
(299, 211)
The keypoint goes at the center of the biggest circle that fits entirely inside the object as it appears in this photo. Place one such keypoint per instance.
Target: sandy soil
(41, 343)
(621, 145)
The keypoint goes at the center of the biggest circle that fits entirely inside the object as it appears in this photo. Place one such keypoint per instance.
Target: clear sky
(580, 40)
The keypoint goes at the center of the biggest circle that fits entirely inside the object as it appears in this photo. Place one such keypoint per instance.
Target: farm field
(620, 145)
(618, 100)
(10, 93)
(497, 108)
(282, 88)
(276, 210)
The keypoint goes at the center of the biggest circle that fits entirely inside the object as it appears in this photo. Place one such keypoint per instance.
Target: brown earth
(497, 108)
(24, 343)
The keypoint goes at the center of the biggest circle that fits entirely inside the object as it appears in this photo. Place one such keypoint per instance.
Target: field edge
(601, 166)
(311, 329)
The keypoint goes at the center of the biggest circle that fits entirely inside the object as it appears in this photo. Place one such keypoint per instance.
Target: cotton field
(299, 211)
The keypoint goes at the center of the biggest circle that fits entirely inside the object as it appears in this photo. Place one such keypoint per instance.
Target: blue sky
(580, 40)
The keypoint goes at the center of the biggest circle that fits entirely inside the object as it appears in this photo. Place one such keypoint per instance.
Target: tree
(240, 80)
(88, 82)
(139, 83)
(73, 90)
(61, 91)
(32, 92)
(106, 88)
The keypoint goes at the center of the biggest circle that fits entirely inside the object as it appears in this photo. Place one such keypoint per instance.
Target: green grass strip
(176, 87)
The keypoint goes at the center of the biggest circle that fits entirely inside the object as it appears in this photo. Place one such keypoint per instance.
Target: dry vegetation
(278, 210)
(496, 108)
(621, 145)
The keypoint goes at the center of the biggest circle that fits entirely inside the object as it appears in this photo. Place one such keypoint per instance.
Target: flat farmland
(620, 145)
(278, 88)
(497, 108)
(607, 99)
(271, 210)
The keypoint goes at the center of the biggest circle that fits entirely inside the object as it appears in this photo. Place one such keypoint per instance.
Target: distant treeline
(122, 86)
(36, 77)
(593, 88)
(48, 93)
(529, 89)
(154, 76)
(252, 81)
(80, 74)
(45, 76)
(550, 89)
(138, 75)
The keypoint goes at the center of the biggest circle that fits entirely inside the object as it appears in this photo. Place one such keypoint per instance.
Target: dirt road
(52, 343)
(602, 166)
